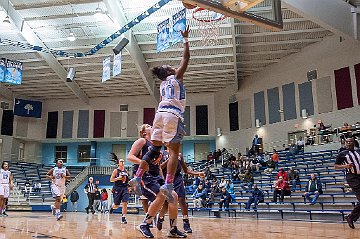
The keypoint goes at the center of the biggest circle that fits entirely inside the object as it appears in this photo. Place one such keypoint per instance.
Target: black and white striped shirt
(347, 157)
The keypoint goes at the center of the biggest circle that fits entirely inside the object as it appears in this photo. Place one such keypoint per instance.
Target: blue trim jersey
(173, 96)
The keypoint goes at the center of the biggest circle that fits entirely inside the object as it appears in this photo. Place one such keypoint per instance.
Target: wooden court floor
(24, 225)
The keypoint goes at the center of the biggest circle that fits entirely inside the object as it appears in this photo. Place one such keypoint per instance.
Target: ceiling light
(7, 20)
(99, 14)
(71, 37)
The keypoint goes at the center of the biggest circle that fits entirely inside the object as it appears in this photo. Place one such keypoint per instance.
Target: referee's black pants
(91, 198)
(354, 182)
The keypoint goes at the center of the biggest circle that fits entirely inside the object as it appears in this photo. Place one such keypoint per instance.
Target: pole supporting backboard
(276, 24)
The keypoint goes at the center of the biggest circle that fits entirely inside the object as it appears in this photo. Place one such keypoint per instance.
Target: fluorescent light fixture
(99, 14)
(71, 37)
(257, 123)
(7, 20)
(304, 114)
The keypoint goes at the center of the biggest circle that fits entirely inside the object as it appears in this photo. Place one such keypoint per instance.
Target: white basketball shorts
(5, 190)
(167, 128)
(57, 191)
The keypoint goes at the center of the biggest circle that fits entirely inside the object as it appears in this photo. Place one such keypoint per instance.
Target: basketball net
(209, 25)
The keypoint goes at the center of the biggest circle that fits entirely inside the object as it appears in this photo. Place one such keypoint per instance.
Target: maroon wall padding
(149, 114)
(343, 88)
(99, 123)
(357, 76)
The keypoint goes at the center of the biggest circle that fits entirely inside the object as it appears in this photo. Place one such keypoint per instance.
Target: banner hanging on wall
(179, 24)
(106, 69)
(163, 36)
(117, 64)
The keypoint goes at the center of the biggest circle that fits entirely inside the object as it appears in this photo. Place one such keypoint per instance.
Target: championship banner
(179, 24)
(106, 69)
(117, 65)
(13, 72)
(163, 36)
(2, 69)
(27, 108)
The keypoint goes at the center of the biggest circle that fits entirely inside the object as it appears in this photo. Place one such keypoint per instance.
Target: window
(84, 153)
(61, 153)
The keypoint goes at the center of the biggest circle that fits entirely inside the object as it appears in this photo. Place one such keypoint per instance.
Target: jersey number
(168, 92)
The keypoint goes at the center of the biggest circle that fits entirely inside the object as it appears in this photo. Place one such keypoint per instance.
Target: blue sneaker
(135, 185)
(123, 220)
(167, 190)
(175, 233)
(145, 230)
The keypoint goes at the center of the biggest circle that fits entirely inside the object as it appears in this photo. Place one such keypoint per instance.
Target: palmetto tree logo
(28, 107)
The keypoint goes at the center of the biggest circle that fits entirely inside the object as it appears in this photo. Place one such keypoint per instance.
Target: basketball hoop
(209, 25)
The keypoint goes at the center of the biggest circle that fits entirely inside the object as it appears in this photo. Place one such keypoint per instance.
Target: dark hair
(3, 163)
(160, 72)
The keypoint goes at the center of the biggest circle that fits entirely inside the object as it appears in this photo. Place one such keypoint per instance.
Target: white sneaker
(53, 209)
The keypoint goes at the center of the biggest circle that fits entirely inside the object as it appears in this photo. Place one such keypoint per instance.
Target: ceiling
(211, 68)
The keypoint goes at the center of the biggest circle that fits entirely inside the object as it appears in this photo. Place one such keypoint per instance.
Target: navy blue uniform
(120, 188)
(151, 179)
(179, 186)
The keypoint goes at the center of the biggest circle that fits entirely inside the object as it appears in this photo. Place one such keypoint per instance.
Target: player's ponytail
(160, 72)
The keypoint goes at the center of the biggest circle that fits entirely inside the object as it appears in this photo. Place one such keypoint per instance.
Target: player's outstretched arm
(186, 56)
(113, 176)
(135, 150)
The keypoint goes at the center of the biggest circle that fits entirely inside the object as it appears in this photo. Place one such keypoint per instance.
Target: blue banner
(163, 36)
(27, 108)
(106, 69)
(2, 69)
(117, 65)
(179, 24)
(13, 72)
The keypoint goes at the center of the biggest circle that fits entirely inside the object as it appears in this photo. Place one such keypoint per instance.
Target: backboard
(246, 10)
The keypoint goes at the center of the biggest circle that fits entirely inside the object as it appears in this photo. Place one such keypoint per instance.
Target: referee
(349, 159)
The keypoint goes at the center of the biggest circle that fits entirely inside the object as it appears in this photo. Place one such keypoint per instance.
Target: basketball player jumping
(168, 124)
(120, 178)
(58, 175)
(150, 186)
(6, 183)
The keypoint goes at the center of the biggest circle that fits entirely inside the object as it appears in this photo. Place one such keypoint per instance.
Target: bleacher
(333, 204)
(33, 173)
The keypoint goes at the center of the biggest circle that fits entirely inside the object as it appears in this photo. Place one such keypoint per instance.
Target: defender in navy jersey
(150, 186)
(120, 178)
(179, 188)
(168, 126)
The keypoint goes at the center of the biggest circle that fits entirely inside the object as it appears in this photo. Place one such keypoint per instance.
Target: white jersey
(58, 180)
(173, 96)
(4, 176)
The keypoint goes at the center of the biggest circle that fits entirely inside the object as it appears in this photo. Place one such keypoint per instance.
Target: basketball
(188, 6)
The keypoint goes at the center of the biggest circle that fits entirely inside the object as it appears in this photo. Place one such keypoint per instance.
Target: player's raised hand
(186, 32)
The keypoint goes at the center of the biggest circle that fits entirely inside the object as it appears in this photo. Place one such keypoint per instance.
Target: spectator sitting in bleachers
(210, 157)
(225, 199)
(313, 187)
(282, 188)
(37, 187)
(196, 183)
(199, 197)
(275, 156)
(222, 182)
(255, 164)
(27, 187)
(294, 178)
(257, 196)
(282, 174)
(230, 188)
(248, 181)
(300, 144)
(270, 167)
(235, 174)
(215, 191)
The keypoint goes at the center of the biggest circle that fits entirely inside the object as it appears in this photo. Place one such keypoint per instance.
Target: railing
(88, 171)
